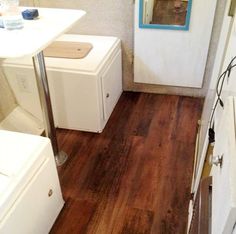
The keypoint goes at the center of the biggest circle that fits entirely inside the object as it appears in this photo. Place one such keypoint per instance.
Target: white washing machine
(30, 193)
(84, 91)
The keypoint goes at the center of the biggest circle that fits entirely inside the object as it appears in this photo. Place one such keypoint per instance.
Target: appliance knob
(50, 192)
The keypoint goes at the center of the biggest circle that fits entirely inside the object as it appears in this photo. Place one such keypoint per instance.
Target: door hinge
(191, 196)
(232, 8)
(233, 228)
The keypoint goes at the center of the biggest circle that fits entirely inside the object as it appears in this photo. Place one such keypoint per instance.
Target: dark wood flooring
(134, 178)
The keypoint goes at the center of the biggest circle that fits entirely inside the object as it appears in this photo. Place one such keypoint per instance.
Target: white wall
(104, 17)
(116, 18)
(7, 99)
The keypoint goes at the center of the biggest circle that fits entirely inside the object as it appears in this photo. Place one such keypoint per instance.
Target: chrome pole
(44, 95)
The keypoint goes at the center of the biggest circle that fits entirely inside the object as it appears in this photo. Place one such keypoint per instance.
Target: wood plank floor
(134, 178)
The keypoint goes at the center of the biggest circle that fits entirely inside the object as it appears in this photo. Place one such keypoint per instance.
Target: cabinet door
(36, 209)
(224, 176)
(111, 85)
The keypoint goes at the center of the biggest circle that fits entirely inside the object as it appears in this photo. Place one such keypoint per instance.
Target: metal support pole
(44, 95)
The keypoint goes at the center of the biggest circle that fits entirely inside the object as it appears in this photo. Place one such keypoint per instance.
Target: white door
(209, 99)
(224, 178)
(174, 57)
(224, 174)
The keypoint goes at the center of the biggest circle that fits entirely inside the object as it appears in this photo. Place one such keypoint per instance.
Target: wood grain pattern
(68, 49)
(135, 177)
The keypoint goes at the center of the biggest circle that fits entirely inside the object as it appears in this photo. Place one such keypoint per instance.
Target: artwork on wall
(165, 14)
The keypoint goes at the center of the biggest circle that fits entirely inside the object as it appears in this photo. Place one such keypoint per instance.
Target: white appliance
(30, 194)
(83, 91)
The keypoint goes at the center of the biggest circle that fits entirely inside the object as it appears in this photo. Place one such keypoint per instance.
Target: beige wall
(104, 17)
(116, 18)
(7, 100)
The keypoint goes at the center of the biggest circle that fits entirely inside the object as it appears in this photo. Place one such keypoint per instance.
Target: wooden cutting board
(68, 49)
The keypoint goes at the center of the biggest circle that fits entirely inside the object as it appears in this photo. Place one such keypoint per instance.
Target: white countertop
(37, 34)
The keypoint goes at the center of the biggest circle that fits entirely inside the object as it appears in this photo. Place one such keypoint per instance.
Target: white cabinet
(83, 101)
(30, 198)
(83, 91)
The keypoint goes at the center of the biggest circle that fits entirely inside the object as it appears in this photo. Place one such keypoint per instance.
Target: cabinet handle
(216, 160)
(107, 95)
(50, 192)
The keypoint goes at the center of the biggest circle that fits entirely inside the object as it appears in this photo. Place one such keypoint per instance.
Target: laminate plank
(175, 184)
(75, 217)
(136, 222)
(102, 175)
(135, 176)
(187, 111)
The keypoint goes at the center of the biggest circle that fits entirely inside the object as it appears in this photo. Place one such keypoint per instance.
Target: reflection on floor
(135, 177)
(169, 12)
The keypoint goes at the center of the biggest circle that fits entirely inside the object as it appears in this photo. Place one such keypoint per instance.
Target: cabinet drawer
(37, 207)
(111, 85)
